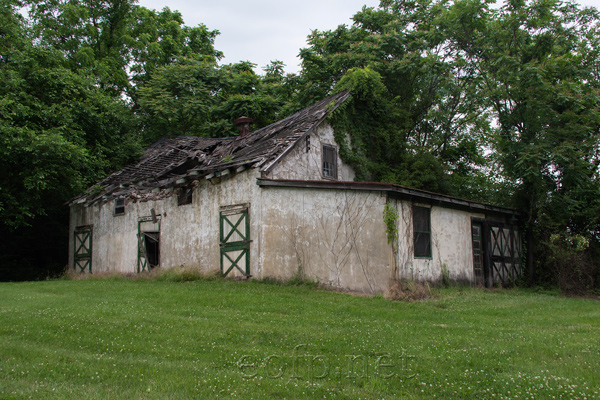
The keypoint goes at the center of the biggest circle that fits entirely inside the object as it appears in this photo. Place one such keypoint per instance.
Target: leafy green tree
(11, 31)
(160, 39)
(178, 99)
(92, 34)
(410, 99)
(538, 64)
(197, 97)
(59, 131)
(243, 92)
(121, 42)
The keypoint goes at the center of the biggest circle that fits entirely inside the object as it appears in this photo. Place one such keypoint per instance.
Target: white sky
(261, 31)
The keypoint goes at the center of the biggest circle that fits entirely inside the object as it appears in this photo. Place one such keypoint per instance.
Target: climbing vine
(390, 218)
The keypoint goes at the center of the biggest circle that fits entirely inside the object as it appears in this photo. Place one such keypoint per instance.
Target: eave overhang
(395, 192)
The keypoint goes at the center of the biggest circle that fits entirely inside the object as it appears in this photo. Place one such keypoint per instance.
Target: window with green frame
(422, 231)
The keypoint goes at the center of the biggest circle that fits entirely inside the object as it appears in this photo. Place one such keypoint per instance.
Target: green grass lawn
(121, 339)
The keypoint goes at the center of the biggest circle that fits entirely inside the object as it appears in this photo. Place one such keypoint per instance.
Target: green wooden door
(82, 249)
(234, 238)
(476, 231)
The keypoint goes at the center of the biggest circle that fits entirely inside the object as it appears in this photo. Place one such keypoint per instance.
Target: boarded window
(185, 196)
(120, 206)
(422, 231)
(329, 162)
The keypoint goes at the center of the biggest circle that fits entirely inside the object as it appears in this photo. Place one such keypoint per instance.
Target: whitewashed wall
(304, 162)
(189, 234)
(334, 236)
(451, 244)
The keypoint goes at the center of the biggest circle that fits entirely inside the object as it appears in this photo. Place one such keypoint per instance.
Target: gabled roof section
(172, 162)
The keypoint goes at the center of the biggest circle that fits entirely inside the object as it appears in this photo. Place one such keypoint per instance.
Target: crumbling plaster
(189, 234)
(334, 236)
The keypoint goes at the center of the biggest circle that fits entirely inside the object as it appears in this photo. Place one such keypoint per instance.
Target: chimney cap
(242, 120)
(243, 124)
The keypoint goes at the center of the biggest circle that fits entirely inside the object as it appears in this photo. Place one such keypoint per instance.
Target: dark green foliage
(499, 104)
(121, 43)
(196, 97)
(390, 219)
(160, 39)
(409, 102)
(59, 132)
(538, 65)
(91, 35)
(571, 263)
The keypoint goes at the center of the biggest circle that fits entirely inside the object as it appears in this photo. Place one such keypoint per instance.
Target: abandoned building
(280, 201)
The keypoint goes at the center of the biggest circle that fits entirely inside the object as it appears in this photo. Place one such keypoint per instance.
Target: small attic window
(329, 162)
(185, 196)
(120, 206)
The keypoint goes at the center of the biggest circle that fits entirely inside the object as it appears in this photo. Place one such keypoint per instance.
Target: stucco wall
(304, 162)
(189, 234)
(451, 244)
(335, 236)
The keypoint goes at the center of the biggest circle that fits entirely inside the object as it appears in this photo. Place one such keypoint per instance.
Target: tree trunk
(529, 260)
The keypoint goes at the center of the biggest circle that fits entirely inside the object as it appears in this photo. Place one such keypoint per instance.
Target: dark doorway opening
(152, 245)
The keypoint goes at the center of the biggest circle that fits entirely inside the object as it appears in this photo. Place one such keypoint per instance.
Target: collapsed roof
(171, 162)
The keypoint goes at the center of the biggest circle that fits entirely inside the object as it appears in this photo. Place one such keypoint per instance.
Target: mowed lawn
(120, 339)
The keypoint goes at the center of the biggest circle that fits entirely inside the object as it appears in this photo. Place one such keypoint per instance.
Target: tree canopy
(537, 64)
(411, 100)
(492, 102)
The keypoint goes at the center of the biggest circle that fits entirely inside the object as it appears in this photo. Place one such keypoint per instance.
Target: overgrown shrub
(572, 264)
